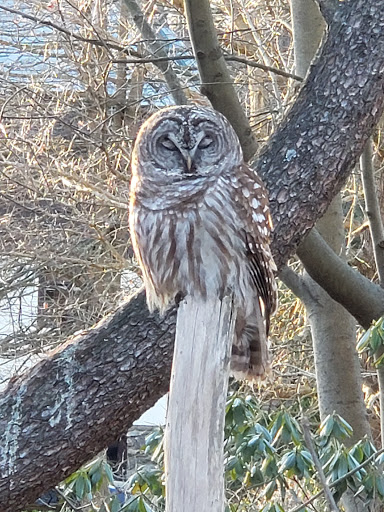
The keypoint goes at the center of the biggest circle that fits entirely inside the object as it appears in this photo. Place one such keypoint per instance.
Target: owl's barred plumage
(200, 224)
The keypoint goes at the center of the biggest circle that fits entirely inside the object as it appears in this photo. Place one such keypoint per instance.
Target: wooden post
(194, 438)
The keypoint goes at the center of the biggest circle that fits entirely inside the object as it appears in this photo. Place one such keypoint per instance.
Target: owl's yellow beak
(189, 161)
(188, 158)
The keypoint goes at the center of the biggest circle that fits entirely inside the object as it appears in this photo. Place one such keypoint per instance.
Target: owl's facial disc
(171, 143)
(186, 143)
(182, 153)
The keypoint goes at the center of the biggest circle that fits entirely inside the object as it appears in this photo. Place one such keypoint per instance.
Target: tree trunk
(338, 372)
(338, 375)
(376, 228)
(333, 329)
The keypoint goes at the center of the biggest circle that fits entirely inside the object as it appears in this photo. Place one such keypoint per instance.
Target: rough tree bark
(338, 373)
(339, 381)
(109, 375)
(326, 114)
(81, 398)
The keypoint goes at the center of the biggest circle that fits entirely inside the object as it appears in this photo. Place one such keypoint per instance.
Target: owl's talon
(179, 297)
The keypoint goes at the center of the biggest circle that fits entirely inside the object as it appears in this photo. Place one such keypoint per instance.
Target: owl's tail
(250, 357)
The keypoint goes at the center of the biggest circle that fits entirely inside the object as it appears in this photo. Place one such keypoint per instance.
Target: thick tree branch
(362, 298)
(72, 404)
(308, 159)
(80, 399)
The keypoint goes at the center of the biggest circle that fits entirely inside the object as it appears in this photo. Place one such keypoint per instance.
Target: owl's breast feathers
(214, 240)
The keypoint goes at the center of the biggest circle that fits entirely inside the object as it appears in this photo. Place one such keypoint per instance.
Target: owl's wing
(252, 195)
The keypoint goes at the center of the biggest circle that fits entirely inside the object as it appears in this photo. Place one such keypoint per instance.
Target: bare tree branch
(328, 9)
(217, 84)
(162, 61)
(112, 45)
(271, 69)
(156, 48)
(97, 42)
(362, 298)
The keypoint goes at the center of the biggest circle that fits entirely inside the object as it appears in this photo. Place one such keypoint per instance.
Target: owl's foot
(178, 298)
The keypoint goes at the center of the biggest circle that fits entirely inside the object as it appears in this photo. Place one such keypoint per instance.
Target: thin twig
(271, 69)
(308, 441)
(372, 209)
(339, 480)
(9, 99)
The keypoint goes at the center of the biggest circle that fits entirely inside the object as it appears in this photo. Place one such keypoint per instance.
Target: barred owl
(200, 224)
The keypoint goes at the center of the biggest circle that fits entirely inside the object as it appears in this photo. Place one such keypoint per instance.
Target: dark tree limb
(78, 400)
(308, 159)
(73, 404)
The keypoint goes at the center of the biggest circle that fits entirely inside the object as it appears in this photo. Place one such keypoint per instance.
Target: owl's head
(185, 143)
